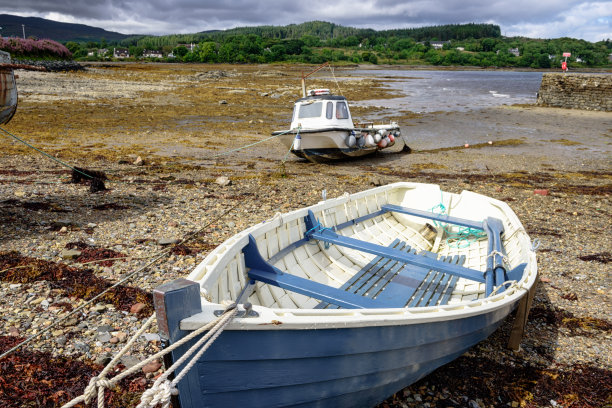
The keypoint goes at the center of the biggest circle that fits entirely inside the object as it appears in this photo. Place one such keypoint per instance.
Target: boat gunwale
(332, 318)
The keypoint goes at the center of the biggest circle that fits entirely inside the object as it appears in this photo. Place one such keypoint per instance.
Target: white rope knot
(95, 387)
(503, 257)
(159, 393)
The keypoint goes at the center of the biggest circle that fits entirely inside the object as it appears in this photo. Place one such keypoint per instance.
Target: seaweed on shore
(37, 379)
(489, 383)
(78, 282)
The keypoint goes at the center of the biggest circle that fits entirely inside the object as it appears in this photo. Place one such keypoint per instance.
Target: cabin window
(330, 110)
(341, 110)
(312, 110)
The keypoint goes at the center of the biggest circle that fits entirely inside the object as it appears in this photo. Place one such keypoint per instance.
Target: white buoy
(350, 140)
(377, 137)
(297, 142)
(369, 140)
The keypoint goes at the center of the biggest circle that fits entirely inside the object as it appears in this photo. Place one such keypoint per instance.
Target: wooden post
(175, 301)
(520, 320)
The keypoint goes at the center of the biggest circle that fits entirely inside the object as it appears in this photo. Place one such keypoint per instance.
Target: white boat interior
(224, 276)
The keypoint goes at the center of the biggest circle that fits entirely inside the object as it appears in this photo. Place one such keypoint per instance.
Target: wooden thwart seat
(396, 284)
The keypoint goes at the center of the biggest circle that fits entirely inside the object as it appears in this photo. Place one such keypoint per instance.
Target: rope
(252, 144)
(156, 257)
(503, 257)
(337, 84)
(512, 283)
(461, 237)
(45, 154)
(162, 388)
(98, 383)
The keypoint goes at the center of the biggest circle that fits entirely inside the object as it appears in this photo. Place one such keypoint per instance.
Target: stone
(152, 367)
(82, 347)
(223, 181)
(61, 340)
(137, 308)
(129, 361)
(139, 161)
(70, 253)
(168, 241)
(151, 336)
(105, 328)
(222, 102)
(542, 192)
(99, 308)
(104, 337)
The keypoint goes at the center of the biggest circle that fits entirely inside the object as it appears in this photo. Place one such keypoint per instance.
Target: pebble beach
(168, 140)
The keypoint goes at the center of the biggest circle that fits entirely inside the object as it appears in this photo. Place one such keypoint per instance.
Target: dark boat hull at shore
(8, 89)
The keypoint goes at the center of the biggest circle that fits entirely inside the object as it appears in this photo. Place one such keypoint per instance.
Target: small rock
(92, 225)
(223, 181)
(63, 230)
(168, 241)
(99, 308)
(13, 331)
(222, 102)
(19, 193)
(104, 337)
(82, 347)
(70, 253)
(152, 367)
(137, 308)
(114, 340)
(122, 336)
(37, 301)
(231, 224)
(138, 162)
(151, 336)
(105, 328)
(542, 192)
(103, 359)
(14, 286)
(72, 321)
(61, 340)
(129, 361)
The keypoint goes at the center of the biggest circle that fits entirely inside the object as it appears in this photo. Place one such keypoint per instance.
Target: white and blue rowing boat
(345, 302)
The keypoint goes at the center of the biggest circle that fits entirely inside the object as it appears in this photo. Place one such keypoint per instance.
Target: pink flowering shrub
(18, 47)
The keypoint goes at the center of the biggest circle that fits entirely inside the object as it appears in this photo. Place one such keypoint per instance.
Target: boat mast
(309, 74)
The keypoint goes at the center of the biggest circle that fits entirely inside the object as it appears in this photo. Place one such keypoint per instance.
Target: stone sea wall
(576, 91)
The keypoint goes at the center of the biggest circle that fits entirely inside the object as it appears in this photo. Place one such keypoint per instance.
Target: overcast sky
(589, 20)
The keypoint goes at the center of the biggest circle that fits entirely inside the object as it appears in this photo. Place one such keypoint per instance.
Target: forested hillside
(319, 41)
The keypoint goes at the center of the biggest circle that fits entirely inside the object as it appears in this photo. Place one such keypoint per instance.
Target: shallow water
(432, 91)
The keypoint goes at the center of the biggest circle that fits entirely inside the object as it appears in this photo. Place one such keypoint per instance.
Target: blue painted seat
(398, 284)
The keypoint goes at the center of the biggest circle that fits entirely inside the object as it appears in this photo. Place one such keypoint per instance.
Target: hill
(54, 30)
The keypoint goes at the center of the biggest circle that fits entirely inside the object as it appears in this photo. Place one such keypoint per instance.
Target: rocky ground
(159, 133)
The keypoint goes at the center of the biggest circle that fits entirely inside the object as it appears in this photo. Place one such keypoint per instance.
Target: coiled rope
(462, 237)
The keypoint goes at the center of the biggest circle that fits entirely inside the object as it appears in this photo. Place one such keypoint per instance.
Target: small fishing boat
(345, 302)
(8, 89)
(322, 128)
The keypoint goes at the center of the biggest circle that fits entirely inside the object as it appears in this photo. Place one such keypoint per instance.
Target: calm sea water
(431, 91)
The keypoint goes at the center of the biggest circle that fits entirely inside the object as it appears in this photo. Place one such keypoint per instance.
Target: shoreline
(104, 118)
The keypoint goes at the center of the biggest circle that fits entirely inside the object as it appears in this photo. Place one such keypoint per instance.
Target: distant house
(578, 59)
(190, 47)
(121, 53)
(514, 51)
(460, 49)
(102, 52)
(152, 54)
(91, 53)
(438, 44)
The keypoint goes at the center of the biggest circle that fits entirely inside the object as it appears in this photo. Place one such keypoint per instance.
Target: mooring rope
(253, 144)
(156, 257)
(45, 154)
(162, 389)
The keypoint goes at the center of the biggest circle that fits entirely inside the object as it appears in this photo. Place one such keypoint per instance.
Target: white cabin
(321, 110)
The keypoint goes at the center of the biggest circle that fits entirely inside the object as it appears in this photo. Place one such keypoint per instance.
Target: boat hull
(343, 367)
(325, 144)
(392, 326)
(8, 92)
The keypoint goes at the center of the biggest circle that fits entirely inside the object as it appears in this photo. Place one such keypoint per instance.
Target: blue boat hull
(349, 367)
